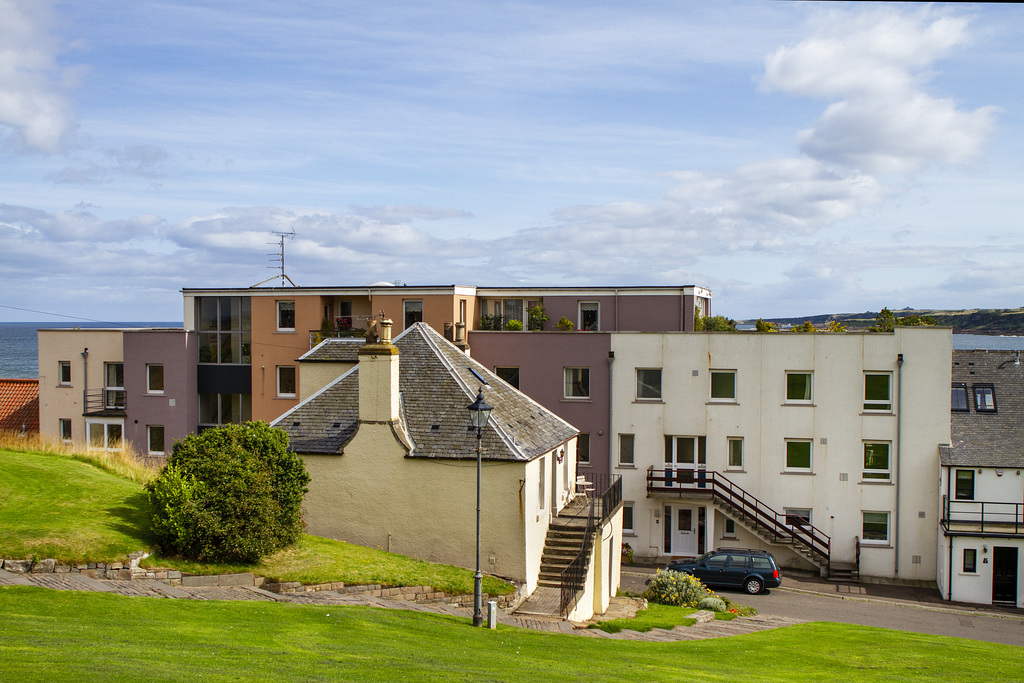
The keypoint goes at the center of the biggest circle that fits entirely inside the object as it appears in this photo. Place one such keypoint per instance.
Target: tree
(762, 326)
(885, 321)
(712, 323)
(805, 326)
(835, 326)
(232, 493)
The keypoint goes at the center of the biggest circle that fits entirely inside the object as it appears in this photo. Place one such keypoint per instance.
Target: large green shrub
(676, 588)
(713, 603)
(231, 493)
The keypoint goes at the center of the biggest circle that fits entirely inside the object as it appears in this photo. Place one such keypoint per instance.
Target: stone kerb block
(18, 566)
(44, 566)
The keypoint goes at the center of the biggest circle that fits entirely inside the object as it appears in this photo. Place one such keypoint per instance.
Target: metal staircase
(771, 526)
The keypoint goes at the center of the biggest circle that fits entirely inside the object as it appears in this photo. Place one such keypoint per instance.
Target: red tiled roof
(19, 404)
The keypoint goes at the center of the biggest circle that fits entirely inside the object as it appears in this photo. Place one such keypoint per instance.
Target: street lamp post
(478, 413)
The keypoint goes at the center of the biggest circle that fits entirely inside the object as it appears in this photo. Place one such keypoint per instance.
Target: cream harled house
(822, 448)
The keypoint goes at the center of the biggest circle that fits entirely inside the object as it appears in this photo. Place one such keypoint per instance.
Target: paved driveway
(900, 608)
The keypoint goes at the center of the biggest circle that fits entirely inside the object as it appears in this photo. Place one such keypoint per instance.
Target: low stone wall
(128, 571)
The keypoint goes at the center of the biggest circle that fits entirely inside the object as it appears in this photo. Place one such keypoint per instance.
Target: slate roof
(437, 382)
(988, 439)
(19, 404)
(343, 350)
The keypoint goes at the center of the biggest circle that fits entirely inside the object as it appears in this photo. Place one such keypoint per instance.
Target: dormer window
(984, 398)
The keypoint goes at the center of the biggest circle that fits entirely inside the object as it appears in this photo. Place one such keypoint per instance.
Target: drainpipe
(611, 406)
(899, 479)
(85, 377)
(949, 490)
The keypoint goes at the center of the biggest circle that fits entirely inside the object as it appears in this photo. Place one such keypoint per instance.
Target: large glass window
(736, 453)
(105, 435)
(225, 329)
(964, 485)
(798, 387)
(876, 460)
(286, 381)
(577, 382)
(648, 383)
(113, 390)
(156, 439)
(218, 409)
(155, 378)
(958, 398)
(877, 392)
(723, 385)
(798, 454)
(875, 528)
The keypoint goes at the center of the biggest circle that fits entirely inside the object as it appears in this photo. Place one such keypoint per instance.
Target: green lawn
(73, 511)
(112, 637)
(657, 616)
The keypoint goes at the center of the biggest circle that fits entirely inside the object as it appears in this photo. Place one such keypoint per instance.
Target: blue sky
(794, 157)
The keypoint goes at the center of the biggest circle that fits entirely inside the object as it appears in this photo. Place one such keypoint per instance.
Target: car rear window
(761, 562)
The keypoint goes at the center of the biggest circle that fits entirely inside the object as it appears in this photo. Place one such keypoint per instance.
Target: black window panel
(958, 399)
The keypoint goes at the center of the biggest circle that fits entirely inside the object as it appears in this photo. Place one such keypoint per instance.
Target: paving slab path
(157, 589)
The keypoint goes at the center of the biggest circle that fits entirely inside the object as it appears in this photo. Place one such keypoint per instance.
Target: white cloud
(32, 100)
(874, 64)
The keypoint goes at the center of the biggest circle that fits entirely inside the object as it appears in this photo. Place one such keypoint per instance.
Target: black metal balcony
(105, 402)
(982, 518)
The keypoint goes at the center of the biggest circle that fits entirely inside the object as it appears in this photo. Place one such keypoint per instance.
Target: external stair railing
(783, 528)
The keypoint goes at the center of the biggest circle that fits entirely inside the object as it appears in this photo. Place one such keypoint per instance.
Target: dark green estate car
(751, 570)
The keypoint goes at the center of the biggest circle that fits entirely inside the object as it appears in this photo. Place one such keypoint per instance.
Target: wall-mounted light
(999, 473)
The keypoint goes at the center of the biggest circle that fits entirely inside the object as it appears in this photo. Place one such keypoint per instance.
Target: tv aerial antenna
(278, 257)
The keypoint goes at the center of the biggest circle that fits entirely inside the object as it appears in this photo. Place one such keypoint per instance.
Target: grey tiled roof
(343, 350)
(988, 439)
(437, 383)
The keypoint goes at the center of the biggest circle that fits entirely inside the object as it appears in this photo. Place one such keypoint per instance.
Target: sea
(19, 358)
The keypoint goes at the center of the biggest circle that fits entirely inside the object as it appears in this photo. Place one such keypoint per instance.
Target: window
(510, 375)
(219, 409)
(577, 382)
(735, 453)
(798, 387)
(540, 481)
(627, 518)
(626, 458)
(285, 316)
(583, 449)
(798, 455)
(723, 385)
(156, 439)
(876, 461)
(875, 528)
(64, 372)
(225, 329)
(113, 393)
(590, 316)
(105, 435)
(286, 381)
(513, 310)
(344, 318)
(730, 528)
(970, 560)
(413, 312)
(964, 485)
(798, 517)
(65, 429)
(984, 398)
(155, 379)
(958, 398)
(877, 393)
(648, 383)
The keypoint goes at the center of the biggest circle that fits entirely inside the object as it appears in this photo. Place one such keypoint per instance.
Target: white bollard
(492, 614)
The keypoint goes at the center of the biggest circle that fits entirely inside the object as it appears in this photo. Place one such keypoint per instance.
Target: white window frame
(648, 384)
(876, 541)
(623, 439)
(728, 453)
(963, 562)
(60, 429)
(295, 381)
(149, 439)
(106, 423)
(282, 306)
(570, 381)
(879, 475)
(149, 378)
(810, 387)
(628, 505)
(798, 512)
(810, 456)
(61, 366)
(579, 312)
(726, 532)
(876, 405)
(711, 385)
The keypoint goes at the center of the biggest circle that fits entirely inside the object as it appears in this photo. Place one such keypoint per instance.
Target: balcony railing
(105, 400)
(982, 517)
(317, 336)
(688, 482)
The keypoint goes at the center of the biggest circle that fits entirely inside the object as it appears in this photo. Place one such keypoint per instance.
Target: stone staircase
(563, 542)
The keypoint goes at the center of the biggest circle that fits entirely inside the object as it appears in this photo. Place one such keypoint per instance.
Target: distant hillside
(971, 321)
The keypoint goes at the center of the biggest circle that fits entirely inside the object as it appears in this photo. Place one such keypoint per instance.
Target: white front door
(681, 530)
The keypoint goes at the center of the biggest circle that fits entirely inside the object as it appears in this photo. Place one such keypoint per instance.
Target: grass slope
(73, 511)
(113, 637)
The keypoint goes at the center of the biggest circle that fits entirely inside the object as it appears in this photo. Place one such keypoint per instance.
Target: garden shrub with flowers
(676, 588)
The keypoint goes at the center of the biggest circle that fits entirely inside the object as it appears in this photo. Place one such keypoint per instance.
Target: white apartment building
(822, 448)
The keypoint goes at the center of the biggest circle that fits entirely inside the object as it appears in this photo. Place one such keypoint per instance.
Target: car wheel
(753, 586)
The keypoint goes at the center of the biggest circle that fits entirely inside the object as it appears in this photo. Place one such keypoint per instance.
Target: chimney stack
(378, 378)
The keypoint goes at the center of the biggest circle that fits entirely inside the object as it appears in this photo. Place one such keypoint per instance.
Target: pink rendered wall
(634, 313)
